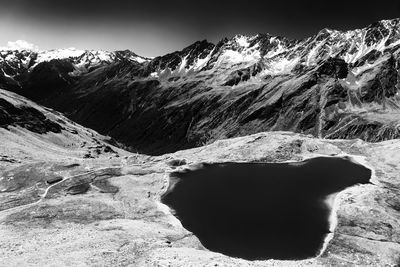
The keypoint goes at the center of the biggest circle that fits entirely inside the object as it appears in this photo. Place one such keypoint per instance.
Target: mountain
(30, 132)
(70, 197)
(14, 63)
(332, 85)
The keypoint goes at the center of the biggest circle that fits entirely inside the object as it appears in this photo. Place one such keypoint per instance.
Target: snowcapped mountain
(281, 55)
(14, 61)
(278, 55)
(334, 84)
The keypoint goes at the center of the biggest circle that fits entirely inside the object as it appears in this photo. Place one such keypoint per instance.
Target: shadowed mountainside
(332, 85)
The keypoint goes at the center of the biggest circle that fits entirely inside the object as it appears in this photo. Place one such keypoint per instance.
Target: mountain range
(332, 85)
(74, 192)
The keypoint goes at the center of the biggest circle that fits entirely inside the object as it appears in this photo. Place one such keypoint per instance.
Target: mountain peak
(390, 22)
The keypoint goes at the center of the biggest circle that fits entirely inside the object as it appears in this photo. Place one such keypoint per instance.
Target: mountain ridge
(333, 85)
(75, 53)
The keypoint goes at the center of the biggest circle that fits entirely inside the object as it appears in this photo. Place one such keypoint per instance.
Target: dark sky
(152, 28)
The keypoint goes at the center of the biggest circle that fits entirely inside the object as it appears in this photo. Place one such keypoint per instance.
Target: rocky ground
(68, 210)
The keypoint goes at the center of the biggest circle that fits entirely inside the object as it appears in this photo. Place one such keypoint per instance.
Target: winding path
(43, 196)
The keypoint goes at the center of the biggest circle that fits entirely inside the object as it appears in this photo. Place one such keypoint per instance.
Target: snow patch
(138, 59)
(154, 74)
(279, 48)
(242, 41)
(280, 66)
(102, 55)
(246, 55)
(183, 63)
(5, 74)
(312, 56)
(201, 62)
(59, 54)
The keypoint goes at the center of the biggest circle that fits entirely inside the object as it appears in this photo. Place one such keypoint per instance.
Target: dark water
(262, 210)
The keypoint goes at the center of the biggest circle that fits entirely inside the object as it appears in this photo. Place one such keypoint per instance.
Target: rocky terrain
(88, 140)
(333, 85)
(59, 207)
